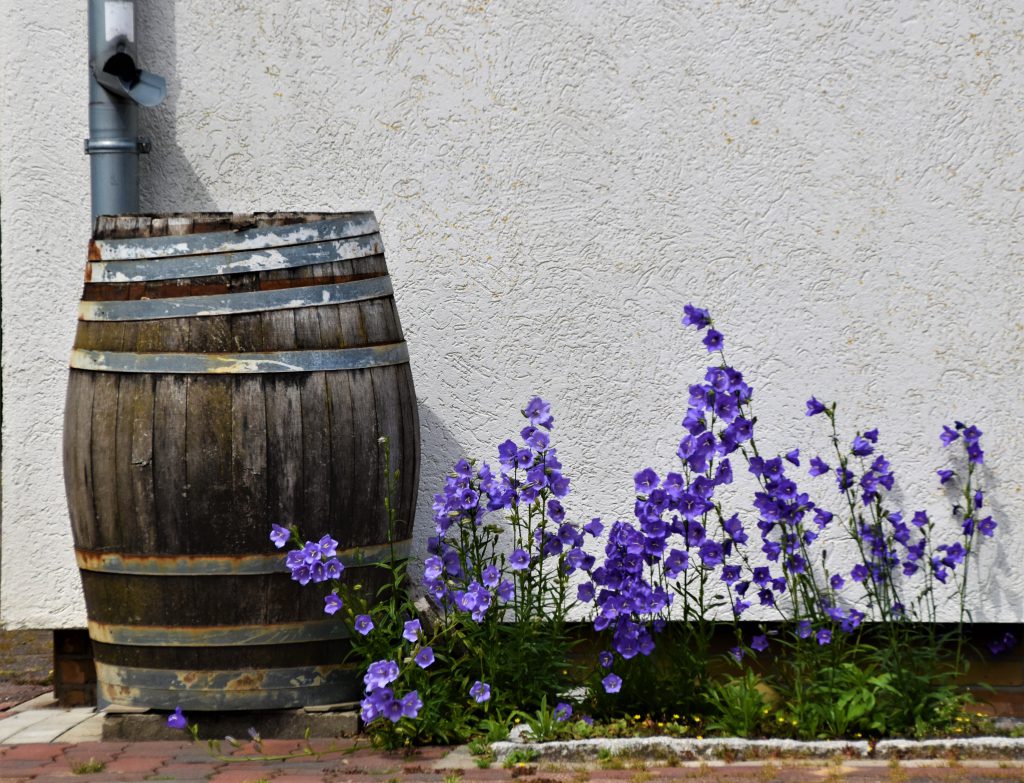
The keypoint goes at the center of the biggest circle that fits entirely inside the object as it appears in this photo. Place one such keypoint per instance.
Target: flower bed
(852, 652)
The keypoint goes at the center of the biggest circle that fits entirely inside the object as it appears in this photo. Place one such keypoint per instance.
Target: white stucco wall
(840, 183)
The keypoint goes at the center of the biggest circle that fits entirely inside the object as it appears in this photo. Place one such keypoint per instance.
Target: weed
(483, 755)
(606, 759)
(520, 756)
(896, 772)
(88, 767)
(836, 772)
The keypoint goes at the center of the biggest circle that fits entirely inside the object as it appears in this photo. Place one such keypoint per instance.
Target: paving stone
(187, 771)
(33, 751)
(135, 764)
(152, 747)
(498, 772)
(23, 767)
(77, 758)
(95, 748)
(197, 754)
(280, 724)
(279, 747)
(243, 773)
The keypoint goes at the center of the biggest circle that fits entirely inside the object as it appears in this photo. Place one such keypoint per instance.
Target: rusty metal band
(241, 363)
(241, 689)
(356, 224)
(234, 304)
(216, 636)
(235, 262)
(223, 565)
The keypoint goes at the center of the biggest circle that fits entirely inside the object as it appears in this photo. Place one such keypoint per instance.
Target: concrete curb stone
(591, 750)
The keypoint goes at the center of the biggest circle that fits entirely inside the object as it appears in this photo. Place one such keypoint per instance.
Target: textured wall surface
(840, 183)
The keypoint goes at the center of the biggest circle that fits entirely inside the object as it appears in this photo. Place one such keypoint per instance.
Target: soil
(26, 666)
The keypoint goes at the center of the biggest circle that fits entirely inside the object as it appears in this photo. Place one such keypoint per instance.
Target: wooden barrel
(230, 372)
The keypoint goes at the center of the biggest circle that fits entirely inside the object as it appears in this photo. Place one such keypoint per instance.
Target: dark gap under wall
(1003, 671)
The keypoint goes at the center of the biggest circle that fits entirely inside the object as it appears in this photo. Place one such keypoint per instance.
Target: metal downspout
(117, 87)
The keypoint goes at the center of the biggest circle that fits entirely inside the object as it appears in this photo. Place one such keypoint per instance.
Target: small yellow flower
(675, 717)
(636, 717)
(696, 718)
(660, 724)
(699, 736)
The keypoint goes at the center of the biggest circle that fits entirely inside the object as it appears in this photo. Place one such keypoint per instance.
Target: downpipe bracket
(143, 145)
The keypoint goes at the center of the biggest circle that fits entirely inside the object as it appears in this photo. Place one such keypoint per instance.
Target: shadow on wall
(167, 180)
(439, 451)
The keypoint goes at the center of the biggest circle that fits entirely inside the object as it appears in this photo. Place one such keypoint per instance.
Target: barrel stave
(170, 462)
(78, 470)
(208, 422)
(249, 459)
(136, 507)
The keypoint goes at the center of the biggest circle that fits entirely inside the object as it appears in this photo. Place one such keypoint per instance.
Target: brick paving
(352, 761)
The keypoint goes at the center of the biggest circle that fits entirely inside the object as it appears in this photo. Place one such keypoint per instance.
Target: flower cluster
(679, 527)
(380, 700)
(315, 561)
(682, 536)
(467, 570)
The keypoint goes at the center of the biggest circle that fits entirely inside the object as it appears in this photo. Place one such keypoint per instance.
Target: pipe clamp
(100, 146)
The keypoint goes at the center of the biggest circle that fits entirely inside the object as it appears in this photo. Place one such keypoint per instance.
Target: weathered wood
(284, 450)
(103, 456)
(287, 232)
(134, 458)
(177, 466)
(314, 497)
(170, 463)
(364, 515)
(143, 497)
(78, 471)
(408, 459)
(249, 461)
(231, 263)
(208, 425)
(291, 602)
